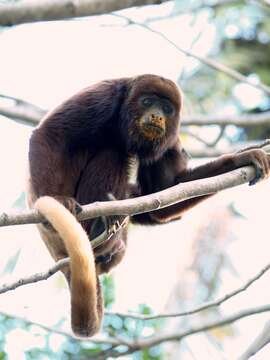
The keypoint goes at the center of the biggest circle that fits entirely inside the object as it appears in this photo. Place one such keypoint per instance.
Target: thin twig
(36, 277)
(60, 264)
(143, 343)
(203, 307)
(94, 339)
(205, 60)
(156, 340)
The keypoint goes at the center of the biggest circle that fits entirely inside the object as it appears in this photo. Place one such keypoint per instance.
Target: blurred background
(218, 52)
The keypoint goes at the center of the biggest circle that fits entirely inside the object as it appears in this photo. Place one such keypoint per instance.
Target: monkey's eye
(147, 102)
(167, 108)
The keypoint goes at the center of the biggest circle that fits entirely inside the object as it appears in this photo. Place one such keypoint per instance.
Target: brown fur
(82, 150)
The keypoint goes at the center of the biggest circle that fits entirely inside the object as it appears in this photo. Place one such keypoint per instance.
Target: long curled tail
(86, 311)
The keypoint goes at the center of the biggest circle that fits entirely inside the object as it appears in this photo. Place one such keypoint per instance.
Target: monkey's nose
(154, 124)
(156, 117)
(156, 120)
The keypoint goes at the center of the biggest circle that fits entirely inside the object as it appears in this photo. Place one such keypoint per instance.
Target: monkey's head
(150, 115)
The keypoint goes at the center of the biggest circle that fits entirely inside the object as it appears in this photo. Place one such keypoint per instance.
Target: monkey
(86, 148)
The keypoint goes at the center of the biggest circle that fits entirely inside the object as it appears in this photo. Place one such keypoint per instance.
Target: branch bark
(260, 342)
(22, 111)
(47, 10)
(21, 114)
(147, 203)
(158, 200)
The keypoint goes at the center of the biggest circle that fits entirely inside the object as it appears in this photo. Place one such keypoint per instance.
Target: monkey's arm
(172, 169)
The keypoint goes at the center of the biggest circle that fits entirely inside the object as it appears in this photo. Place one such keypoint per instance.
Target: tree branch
(243, 120)
(204, 60)
(156, 340)
(45, 10)
(95, 339)
(36, 277)
(260, 341)
(21, 114)
(203, 307)
(103, 237)
(144, 343)
(31, 114)
(158, 200)
(22, 111)
(150, 202)
(141, 204)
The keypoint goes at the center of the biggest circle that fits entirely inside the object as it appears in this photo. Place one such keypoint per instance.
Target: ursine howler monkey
(83, 150)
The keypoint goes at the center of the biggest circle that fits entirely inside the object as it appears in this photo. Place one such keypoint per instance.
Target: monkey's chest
(108, 171)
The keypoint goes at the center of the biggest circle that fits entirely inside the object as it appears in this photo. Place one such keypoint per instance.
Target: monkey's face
(156, 112)
(150, 116)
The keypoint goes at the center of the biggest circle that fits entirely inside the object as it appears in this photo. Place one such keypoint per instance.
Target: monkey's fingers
(256, 157)
(261, 163)
(258, 173)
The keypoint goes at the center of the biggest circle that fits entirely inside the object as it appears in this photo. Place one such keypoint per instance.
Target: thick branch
(32, 116)
(46, 10)
(22, 114)
(22, 111)
(175, 194)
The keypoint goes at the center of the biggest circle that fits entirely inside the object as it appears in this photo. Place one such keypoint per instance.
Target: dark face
(149, 117)
(156, 113)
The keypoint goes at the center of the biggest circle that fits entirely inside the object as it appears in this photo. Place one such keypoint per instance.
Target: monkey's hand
(257, 157)
(70, 203)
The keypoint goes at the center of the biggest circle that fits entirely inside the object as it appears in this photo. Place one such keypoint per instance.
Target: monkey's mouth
(154, 127)
(152, 130)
